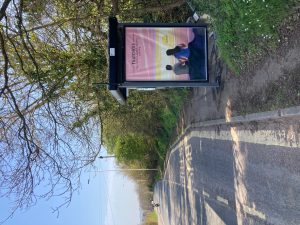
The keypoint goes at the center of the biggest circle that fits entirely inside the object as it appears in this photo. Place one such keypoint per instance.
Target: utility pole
(113, 156)
(120, 170)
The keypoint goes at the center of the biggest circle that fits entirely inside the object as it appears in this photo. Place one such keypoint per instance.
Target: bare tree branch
(3, 8)
(5, 69)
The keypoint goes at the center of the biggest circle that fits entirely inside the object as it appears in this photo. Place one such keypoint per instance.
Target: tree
(49, 120)
(52, 51)
(130, 148)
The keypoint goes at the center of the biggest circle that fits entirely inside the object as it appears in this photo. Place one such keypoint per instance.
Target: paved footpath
(235, 173)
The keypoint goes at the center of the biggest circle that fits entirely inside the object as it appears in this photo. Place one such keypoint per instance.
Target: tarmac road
(243, 174)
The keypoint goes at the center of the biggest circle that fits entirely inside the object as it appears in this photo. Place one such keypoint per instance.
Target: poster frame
(161, 83)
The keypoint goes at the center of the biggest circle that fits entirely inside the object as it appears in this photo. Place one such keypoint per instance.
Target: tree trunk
(3, 8)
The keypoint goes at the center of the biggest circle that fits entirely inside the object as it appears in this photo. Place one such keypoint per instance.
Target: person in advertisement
(181, 52)
(165, 54)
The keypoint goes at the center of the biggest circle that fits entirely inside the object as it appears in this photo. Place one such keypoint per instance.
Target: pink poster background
(145, 50)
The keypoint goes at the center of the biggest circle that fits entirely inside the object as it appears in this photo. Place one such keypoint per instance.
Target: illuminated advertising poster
(165, 54)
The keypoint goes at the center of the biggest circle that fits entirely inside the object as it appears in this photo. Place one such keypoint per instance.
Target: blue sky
(109, 199)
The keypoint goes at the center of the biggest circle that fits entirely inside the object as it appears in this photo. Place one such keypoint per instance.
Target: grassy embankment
(151, 219)
(245, 29)
(169, 118)
(138, 133)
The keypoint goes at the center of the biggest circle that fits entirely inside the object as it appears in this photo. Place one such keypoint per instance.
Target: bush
(130, 148)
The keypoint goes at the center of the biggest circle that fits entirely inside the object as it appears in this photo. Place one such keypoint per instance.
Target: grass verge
(245, 29)
(168, 118)
(151, 219)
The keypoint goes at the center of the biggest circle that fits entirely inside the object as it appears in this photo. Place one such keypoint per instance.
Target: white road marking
(161, 217)
(169, 159)
(212, 217)
(254, 212)
(223, 200)
(182, 185)
(205, 194)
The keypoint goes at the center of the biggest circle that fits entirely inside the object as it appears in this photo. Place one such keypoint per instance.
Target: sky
(110, 198)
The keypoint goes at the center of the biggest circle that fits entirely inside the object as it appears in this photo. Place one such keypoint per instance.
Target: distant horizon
(90, 204)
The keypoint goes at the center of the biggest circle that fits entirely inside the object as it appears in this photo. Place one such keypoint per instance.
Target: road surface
(243, 174)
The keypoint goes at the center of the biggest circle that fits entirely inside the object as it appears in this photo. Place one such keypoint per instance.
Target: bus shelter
(150, 56)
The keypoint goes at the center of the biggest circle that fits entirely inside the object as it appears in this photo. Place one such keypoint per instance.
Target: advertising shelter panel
(166, 54)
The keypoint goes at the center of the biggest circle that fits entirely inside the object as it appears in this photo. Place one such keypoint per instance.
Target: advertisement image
(165, 54)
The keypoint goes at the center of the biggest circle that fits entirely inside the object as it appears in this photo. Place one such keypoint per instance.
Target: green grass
(151, 219)
(245, 29)
(168, 118)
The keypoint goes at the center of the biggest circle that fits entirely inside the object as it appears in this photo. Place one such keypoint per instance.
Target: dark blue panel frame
(117, 62)
(114, 53)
